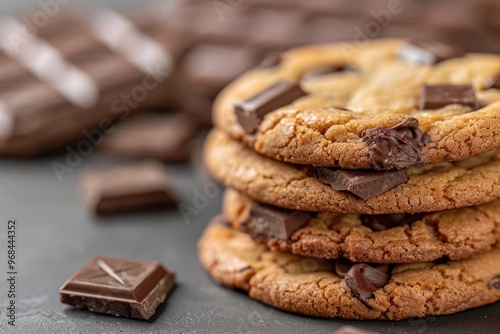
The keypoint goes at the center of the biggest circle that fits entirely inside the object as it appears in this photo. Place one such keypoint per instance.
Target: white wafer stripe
(47, 63)
(120, 35)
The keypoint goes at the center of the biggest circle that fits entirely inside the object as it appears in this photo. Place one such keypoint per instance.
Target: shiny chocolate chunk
(429, 52)
(398, 147)
(119, 287)
(439, 96)
(251, 111)
(342, 267)
(364, 280)
(267, 222)
(495, 283)
(493, 83)
(362, 183)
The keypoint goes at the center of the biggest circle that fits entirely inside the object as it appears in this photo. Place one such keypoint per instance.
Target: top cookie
(387, 104)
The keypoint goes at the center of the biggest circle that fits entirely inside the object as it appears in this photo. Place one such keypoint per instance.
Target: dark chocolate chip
(364, 280)
(251, 111)
(439, 96)
(266, 222)
(429, 52)
(398, 147)
(493, 83)
(362, 183)
(495, 282)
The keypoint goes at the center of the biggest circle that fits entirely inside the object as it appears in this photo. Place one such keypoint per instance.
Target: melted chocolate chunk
(386, 222)
(251, 111)
(364, 280)
(439, 96)
(266, 222)
(398, 147)
(362, 183)
(429, 52)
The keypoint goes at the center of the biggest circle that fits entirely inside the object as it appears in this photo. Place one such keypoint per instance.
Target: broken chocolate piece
(439, 96)
(362, 183)
(495, 283)
(398, 147)
(385, 222)
(429, 52)
(342, 267)
(364, 280)
(493, 83)
(119, 287)
(267, 222)
(127, 188)
(251, 111)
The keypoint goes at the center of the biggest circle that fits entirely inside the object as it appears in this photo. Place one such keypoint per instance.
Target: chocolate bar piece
(119, 287)
(398, 147)
(251, 111)
(267, 222)
(126, 188)
(364, 184)
(439, 96)
(153, 135)
(364, 280)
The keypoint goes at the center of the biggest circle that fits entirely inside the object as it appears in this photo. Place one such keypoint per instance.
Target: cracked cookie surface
(431, 188)
(308, 286)
(456, 234)
(382, 92)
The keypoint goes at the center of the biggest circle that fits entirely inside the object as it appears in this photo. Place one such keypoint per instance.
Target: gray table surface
(56, 236)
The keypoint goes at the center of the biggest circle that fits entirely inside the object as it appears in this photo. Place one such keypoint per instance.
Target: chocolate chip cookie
(431, 188)
(352, 291)
(455, 234)
(389, 104)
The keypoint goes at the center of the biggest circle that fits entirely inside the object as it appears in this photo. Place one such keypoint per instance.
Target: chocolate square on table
(119, 287)
(156, 136)
(127, 188)
(439, 96)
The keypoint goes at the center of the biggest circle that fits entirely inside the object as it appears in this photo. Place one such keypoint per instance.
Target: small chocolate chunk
(126, 188)
(333, 108)
(362, 183)
(495, 282)
(398, 147)
(251, 111)
(429, 52)
(493, 83)
(364, 280)
(439, 96)
(119, 287)
(267, 222)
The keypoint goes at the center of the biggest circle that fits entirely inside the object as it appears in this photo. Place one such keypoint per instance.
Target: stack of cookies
(364, 181)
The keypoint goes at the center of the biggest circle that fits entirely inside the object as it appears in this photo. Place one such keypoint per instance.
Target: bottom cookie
(315, 287)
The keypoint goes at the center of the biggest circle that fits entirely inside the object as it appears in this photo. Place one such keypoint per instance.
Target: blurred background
(70, 68)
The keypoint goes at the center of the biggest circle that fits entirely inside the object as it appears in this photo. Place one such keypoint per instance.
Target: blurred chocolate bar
(74, 76)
